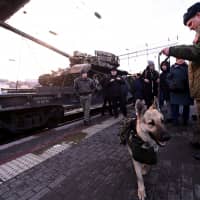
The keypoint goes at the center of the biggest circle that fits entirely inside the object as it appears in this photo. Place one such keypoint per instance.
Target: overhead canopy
(9, 7)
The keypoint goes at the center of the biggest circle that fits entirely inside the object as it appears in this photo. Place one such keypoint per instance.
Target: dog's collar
(142, 151)
(142, 143)
(146, 145)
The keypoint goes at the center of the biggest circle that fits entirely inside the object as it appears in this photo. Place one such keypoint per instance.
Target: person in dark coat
(151, 80)
(181, 95)
(106, 96)
(138, 86)
(164, 93)
(115, 90)
(125, 88)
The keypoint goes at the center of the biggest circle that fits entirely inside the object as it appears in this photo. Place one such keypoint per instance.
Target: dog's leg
(138, 170)
(140, 181)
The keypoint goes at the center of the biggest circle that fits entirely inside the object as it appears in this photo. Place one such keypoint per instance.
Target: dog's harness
(141, 151)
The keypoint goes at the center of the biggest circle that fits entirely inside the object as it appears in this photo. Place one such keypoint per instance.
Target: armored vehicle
(97, 66)
(45, 106)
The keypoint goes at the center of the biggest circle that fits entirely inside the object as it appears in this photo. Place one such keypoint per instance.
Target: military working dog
(144, 134)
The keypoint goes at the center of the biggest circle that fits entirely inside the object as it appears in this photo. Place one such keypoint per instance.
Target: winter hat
(191, 12)
(165, 63)
(150, 62)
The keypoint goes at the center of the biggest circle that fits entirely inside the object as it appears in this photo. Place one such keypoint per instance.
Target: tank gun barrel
(40, 42)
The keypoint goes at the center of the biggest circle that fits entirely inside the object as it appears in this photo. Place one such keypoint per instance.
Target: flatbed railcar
(20, 112)
(41, 108)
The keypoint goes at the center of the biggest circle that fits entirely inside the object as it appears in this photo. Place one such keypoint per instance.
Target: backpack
(176, 84)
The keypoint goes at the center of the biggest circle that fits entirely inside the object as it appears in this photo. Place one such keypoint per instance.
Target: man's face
(114, 72)
(179, 61)
(84, 75)
(194, 22)
(151, 67)
(164, 67)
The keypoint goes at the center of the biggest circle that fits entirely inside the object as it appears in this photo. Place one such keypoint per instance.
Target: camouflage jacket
(84, 86)
(191, 53)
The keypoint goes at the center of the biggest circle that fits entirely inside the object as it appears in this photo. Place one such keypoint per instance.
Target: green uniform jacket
(191, 53)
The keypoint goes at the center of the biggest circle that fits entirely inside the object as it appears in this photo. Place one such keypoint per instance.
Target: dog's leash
(166, 60)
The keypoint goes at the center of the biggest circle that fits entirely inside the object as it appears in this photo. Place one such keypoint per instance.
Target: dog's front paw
(141, 194)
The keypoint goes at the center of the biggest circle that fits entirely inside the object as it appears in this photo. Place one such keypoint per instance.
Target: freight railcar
(20, 112)
(44, 107)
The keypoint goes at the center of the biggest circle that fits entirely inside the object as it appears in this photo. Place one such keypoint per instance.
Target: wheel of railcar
(52, 123)
(56, 117)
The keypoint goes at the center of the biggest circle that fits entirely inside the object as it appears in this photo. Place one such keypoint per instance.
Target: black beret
(191, 12)
(113, 69)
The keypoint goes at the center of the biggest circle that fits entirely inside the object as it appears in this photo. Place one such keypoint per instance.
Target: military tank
(44, 106)
(97, 66)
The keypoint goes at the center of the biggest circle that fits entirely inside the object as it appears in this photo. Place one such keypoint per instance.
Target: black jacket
(151, 88)
(114, 86)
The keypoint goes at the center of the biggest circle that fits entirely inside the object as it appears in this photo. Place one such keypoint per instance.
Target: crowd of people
(176, 86)
(191, 19)
(170, 87)
(114, 90)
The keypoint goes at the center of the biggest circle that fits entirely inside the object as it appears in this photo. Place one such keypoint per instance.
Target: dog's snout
(165, 136)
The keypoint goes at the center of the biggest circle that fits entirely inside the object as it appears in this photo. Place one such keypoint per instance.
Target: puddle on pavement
(75, 138)
(69, 139)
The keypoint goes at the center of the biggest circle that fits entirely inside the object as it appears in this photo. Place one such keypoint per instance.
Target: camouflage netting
(99, 64)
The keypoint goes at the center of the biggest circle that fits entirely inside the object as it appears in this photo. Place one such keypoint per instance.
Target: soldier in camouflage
(84, 87)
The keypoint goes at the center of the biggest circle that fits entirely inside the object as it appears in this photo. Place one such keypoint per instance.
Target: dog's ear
(140, 107)
(155, 104)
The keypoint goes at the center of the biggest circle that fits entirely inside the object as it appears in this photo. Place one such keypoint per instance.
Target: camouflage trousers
(86, 103)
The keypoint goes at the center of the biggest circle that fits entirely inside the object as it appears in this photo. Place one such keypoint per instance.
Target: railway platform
(93, 165)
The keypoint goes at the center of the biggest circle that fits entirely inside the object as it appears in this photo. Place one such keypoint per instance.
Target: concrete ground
(97, 167)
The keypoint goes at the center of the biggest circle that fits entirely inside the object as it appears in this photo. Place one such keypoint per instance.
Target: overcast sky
(126, 26)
